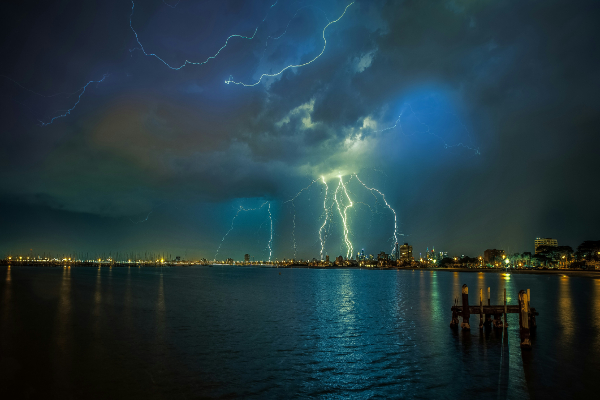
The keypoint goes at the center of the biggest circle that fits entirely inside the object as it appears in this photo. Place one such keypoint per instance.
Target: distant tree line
(589, 250)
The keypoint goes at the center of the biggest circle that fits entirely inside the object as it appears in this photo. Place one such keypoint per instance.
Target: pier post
(532, 323)
(454, 321)
(480, 308)
(488, 317)
(524, 320)
(505, 311)
(465, 303)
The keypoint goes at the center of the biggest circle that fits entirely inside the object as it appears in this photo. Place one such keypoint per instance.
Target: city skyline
(145, 125)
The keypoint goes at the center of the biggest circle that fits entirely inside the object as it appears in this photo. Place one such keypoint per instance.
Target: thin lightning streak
(233, 221)
(388, 206)
(398, 123)
(324, 222)
(144, 220)
(294, 231)
(39, 94)
(187, 61)
(294, 66)
(294, 215)
(271, 37)
(270, 244)
(299, 193)
(78, 100)
(171, 5)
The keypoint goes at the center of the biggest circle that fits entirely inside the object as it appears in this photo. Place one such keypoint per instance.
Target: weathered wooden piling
(480, 308)
(526, 313)
(532, 323)
(524, 320)
(505, 310)
(466, 313)
(454, 321)
(488, 317)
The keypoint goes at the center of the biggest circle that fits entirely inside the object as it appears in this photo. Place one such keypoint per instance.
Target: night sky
(478, 120)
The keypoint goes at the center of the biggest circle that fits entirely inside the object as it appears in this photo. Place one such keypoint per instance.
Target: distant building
(339, 260)
(327, 259)
(397, 252)
(492, 255)
(406, 252)
(382, 256)
(246, 258)
(545, 242)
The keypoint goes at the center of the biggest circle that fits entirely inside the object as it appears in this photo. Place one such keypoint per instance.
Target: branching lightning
(230, 80)
(344, 215)
(269, 244)
(395, 236)
(187, 62)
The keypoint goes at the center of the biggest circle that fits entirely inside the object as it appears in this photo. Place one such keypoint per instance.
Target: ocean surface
(245, 332)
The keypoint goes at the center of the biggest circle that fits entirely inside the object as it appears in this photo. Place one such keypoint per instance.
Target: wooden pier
(490, 315)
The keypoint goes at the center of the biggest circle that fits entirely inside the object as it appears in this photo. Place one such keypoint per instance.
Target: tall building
(397, 252)
(492, 255)
(406, 252)
(246, 258)
(545, 242)
(327, 259)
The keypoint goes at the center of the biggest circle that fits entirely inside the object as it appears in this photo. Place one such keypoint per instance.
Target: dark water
(250, 332)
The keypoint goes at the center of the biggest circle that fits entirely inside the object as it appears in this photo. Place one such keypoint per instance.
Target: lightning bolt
(83, 89)
(271, 37)
(270, 244)
(294, 214)
(395, 235)
(344, 215)
(325, 211)
(230, 80)
(144, 220)
(398, 123)
(171, 5)
(81, 92)
(187, 62)
(233, 222)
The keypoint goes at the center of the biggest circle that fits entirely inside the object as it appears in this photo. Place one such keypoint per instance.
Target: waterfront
(275, 333)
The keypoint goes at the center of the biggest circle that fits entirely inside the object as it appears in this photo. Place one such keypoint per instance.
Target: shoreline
(566, 272)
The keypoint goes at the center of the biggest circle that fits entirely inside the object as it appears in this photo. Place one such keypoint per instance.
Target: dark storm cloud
(517, 80)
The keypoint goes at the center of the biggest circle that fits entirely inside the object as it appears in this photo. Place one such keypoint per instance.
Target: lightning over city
(299, 199)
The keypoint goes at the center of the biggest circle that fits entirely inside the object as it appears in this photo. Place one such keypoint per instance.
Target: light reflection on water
(251, 332)
(565, 309)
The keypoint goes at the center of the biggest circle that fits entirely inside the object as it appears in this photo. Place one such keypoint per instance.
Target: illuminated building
(247, 258)
(545, 242)
(491, 255)
(406, 252)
